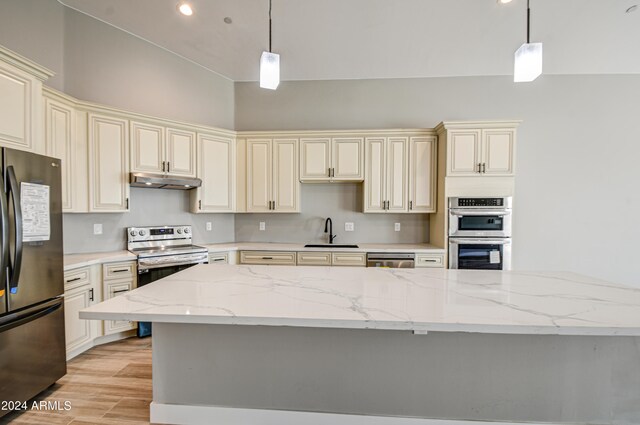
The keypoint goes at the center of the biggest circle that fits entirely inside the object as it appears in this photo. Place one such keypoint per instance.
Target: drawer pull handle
(119, 291)
(119, 270)
(74, 279)
(267, 258)
(429, 260)
(217, 259)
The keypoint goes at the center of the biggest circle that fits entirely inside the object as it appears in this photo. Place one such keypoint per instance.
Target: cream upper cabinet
(216, 168)
(386, 179)
(108, 163)
(331, 159)
(272, 175)
(60, 130)
(486, 150)
(21, 102)
(159, 149)
(422, 174)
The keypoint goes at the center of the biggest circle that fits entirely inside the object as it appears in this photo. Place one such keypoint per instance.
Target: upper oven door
(480, 223)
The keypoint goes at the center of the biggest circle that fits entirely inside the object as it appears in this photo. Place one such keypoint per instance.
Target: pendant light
(269, 64)
(528, 58)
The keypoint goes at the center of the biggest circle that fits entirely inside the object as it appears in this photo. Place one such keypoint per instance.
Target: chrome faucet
(328, 227)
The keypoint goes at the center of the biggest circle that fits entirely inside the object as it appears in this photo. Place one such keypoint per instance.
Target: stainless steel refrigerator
(32, 344)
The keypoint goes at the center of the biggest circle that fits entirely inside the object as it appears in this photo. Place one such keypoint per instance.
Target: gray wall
(35, 29)
(577, 155)
(343, 203)
(149, 207)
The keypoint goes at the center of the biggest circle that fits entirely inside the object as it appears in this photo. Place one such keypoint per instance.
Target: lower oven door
(480, 253)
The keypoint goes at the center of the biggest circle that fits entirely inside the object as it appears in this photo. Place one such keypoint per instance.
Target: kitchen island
(327, 345)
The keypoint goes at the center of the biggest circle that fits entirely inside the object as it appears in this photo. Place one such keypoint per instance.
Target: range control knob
(186, 230)
(179, 231)
(133, 233)
(142, 232)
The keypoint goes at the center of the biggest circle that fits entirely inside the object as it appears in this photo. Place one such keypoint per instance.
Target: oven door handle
(482, 241)
(500, 213)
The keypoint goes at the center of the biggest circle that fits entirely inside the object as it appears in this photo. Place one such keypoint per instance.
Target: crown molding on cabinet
(24, 64)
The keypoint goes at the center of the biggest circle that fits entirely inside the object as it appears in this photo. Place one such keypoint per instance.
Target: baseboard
(204, 415)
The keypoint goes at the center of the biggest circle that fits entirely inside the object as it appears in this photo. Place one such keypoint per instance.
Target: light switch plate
(396, 227)
(262, 225)
(348, 227)
(97, 229)
(208, 225)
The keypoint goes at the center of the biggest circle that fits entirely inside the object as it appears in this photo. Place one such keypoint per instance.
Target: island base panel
(482, 377)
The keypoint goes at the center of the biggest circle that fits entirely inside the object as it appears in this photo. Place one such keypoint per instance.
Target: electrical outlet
(97, 229)
(263, 226)
(396, 227)
(348, 227)
(208, 226)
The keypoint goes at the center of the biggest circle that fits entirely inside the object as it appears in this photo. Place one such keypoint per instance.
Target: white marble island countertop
(420, 300)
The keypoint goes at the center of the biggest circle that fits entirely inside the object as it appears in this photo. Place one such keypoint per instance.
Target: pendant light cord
(528, 20)
(270, 26)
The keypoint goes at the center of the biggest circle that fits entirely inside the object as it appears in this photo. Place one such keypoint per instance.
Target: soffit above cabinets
(365, 39)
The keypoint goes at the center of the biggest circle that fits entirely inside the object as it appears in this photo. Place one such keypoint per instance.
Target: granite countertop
(73, 261)
(420, 300)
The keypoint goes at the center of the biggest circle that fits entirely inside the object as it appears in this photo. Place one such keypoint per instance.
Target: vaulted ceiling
(361, 39)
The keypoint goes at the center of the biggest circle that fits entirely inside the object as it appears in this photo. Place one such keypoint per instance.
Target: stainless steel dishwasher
(390, 260)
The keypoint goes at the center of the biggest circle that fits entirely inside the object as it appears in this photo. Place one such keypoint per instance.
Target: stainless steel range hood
(161, 181)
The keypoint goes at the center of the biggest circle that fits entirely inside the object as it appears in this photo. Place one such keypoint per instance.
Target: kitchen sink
(333, 245)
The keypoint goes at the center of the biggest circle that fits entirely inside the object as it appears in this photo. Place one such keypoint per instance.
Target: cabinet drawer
(118, 270)
(76, 278)
(219, 258)
(430, 260)
(268, 257)
(314, 258)
(348, 259)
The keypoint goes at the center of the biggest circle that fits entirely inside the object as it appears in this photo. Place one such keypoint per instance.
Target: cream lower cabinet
(272, 175)
(81, 290)
(480, 149)
(156, 148)
(216, 168)
(108, 163)
(386, 178)
(21, 102)
(331, 159)
(118, 279)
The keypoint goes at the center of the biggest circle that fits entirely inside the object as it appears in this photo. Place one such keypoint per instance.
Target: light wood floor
(109, 384)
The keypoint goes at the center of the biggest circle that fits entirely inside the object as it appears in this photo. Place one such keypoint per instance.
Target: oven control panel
(504, 202)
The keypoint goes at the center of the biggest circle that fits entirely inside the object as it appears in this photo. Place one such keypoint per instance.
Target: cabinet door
(422, 174)
(216, 160)
(258, 175)
(374, 182)
(347, 158)
(397, 170)
(286, 185)
(108, 164)
(147, 148)
(59, 138)
(19, 102)
(464, 152)
(498, 152)
(115, 289)
(77, 331)
(181, 152)
(315, 159)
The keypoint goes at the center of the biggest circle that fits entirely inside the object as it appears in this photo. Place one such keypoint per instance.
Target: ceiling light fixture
(504, 1)
(269, 64)
(185, 8)
(528, 58)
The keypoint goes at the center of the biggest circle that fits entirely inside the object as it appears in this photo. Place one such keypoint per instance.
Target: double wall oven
(162, 251)
(480, 233)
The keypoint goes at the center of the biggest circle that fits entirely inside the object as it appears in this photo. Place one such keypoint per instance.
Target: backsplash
(149, 207)
(343, 203)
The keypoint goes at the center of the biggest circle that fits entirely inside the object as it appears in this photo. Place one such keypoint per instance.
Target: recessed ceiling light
(185, 9)
(227, 20)
(632, 8)
(504, 1)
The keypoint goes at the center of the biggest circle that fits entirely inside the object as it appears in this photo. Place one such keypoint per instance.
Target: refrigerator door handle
(4, 236)
(14, 267)
(12, 320)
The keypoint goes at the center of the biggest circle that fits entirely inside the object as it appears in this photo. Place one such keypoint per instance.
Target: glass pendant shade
(269, 70)
(528, 63)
